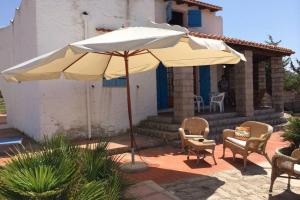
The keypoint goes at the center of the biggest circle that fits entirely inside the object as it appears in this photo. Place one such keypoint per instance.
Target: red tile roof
(234, 41)
(240, 42)
(200, 4)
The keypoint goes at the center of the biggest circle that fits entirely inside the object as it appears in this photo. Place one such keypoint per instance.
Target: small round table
(200, 148)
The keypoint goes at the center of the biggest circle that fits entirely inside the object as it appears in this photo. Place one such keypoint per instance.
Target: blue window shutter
(117, 82)
(194, 18)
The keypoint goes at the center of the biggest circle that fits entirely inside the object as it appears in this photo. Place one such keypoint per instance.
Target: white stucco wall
(17, 44)
(64, 102)
(211, 22)
(46, 107)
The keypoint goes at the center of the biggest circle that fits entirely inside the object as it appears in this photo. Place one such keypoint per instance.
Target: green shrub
(62, 171)
(292, 131)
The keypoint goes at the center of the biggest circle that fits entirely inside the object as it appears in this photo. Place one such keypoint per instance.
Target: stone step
(264, 111)
(159, 126)
(160, 119)
(167, 136)
(153, 124)
(165, 128)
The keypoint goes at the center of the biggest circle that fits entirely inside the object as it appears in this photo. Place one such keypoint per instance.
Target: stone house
(46, 107)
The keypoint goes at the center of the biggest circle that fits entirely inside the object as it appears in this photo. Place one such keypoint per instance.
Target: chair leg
(267, 157)
(223, 156)
(198, 106)
(289, 183)
(245, 162)
(233, 156)
(273, 178)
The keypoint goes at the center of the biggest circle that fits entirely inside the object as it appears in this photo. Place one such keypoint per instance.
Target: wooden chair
(282, 164)
(259, 135)
(197, 128)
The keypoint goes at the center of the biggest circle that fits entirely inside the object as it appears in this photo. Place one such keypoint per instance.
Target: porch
(253, 85)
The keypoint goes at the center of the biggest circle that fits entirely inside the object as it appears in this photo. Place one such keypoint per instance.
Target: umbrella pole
(129, 107)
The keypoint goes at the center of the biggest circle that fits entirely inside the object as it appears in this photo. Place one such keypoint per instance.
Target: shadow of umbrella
(198, 187)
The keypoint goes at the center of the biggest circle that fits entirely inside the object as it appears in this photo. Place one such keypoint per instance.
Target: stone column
(262, 75)
(183, 93)
(244, 85)
(277, 74)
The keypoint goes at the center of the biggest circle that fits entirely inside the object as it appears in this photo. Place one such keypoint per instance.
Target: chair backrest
(296, 154)
(196, 125)
(258, 128)
(198, 98)
(218, 98)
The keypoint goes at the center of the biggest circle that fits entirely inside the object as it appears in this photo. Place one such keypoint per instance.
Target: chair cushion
(297, 168)
(237, 141)
(242, 133)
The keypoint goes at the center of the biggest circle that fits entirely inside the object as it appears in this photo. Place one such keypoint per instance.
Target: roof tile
(235, 41)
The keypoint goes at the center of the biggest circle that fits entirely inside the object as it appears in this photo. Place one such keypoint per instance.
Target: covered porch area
(253, 85)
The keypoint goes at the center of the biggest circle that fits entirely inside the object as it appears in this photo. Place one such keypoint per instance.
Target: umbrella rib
(74, 62)
(153, 55)
(107, 65)
(136, 52)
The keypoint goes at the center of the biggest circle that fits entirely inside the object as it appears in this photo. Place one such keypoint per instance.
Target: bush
(62, 171)
(292, 131)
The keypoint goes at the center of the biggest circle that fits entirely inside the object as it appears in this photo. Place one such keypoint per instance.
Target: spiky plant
(61, 171)
(94, 190)
(97, 165)
(41, 175)
(292, 131)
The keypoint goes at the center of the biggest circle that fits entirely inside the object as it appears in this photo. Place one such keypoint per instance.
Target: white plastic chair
(217, 100)
(199, 101)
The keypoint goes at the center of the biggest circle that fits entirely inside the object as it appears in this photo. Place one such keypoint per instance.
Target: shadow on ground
(288, 195)
(238, 164)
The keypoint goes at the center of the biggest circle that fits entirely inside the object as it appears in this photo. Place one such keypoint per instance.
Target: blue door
(162, 87)
(204, 80)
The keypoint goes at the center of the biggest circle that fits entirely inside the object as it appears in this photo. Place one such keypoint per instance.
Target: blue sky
(250, 20)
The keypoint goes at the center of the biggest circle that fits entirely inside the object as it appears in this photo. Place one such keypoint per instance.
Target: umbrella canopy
(103, 56)
(123, 52)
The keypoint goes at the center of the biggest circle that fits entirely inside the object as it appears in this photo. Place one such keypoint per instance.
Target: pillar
(277, 74)
(183, 93)
(243, 72)
(262, 75)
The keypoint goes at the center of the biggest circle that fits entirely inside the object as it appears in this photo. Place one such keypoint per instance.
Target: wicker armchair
(197, 127)
(259, 135)
(282, 164)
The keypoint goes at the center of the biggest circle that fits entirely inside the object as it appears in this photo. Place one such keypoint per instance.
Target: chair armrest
(181, 133)
(228, 133)
(205, 134)
(284, 162)
(254, 143)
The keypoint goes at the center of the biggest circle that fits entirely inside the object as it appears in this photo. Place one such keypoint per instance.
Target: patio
(186, 180)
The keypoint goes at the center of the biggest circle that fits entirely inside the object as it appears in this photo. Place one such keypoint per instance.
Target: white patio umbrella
(123, 52)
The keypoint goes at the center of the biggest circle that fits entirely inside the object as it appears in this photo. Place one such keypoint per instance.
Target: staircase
(166, 128)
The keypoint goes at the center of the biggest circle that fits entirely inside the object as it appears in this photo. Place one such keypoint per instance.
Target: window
(177, 18)
(194, 18)
(116, 82)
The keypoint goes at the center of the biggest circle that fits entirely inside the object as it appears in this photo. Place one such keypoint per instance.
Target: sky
(244, 19)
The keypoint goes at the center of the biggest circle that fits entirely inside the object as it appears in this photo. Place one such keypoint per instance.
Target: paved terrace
(186, 180)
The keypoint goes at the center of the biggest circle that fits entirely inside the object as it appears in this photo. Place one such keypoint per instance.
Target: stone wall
(277, 75)
(244, 85)
(183, 93)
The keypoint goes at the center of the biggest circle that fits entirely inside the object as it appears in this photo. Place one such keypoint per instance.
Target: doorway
(164, 87)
